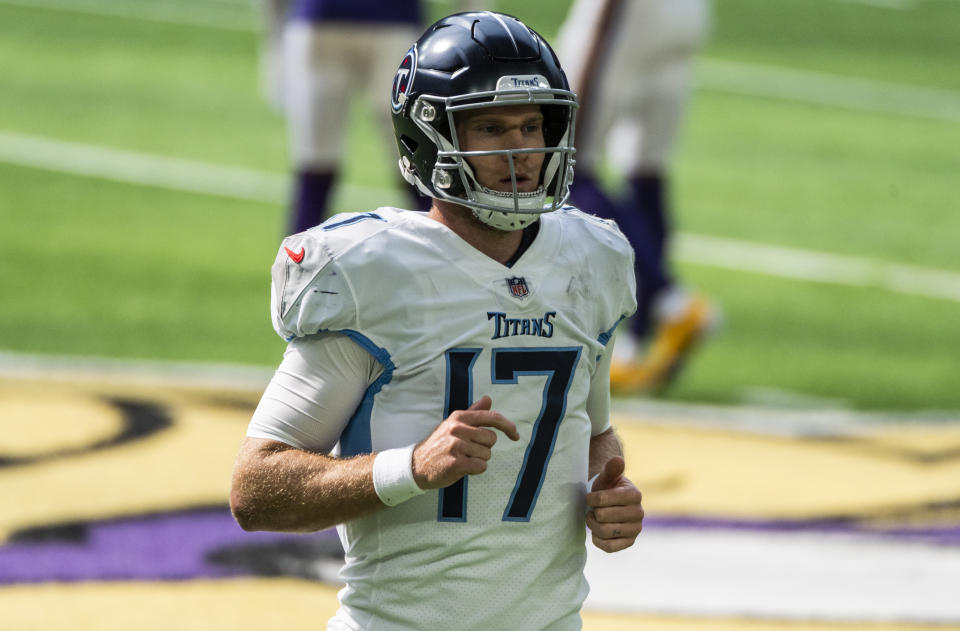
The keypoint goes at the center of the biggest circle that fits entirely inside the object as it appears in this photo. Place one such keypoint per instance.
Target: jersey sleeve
(310, 291)
(598, 399)
(611, 258)
(314, 392)
(624, 300)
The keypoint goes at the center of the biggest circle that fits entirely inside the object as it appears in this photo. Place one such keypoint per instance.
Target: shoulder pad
(309, 294)
(310, 291)
(609, 250)
(605, 231)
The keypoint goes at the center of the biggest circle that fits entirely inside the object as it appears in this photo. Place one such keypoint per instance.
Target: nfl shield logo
(518, 286)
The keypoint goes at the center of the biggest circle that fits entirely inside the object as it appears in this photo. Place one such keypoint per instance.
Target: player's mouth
(525, 183)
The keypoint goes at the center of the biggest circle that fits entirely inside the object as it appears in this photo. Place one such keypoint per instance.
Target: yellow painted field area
(86, 452)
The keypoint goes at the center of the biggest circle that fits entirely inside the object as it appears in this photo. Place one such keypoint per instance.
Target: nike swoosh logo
(295, 256)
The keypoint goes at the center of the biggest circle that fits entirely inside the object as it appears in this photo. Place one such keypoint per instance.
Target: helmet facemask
(454, 180)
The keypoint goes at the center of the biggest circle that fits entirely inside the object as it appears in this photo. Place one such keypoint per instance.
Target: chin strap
(530, 205)
(409, 174)
(524, 201)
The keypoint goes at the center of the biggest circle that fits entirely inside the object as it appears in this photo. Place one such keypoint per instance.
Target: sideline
(130, 372)
(826, 417)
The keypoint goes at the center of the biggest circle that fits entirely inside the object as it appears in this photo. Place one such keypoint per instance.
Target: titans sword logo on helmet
(403, 80)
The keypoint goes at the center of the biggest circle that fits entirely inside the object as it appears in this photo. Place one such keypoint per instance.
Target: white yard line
(825, 89)
(228, 16)
(899, 5)
(838, 269)
(141, 168)
(263, 186)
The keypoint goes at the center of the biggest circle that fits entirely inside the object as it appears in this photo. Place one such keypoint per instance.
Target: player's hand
(460, 445)
(617, 515)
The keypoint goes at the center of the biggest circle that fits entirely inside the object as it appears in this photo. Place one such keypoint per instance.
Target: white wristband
(393, 476)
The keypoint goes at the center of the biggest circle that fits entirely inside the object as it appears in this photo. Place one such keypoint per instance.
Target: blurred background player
(317, 56)
(629, 61)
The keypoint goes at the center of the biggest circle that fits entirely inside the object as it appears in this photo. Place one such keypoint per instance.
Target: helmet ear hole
(555, 123)
(409, 143)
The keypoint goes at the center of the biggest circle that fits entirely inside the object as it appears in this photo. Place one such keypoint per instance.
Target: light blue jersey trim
(604, 338)
(330, 224)
(356, 438)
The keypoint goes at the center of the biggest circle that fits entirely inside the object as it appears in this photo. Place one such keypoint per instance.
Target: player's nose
(514, 138)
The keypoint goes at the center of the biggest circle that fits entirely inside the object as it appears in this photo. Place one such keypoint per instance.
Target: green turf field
(826, 126)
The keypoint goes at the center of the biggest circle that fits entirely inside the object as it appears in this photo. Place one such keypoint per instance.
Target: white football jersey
(500, 550)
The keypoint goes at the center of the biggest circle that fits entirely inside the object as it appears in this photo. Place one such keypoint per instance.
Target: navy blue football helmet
(479, 60)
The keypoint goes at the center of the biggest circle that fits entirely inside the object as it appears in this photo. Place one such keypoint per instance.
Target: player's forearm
(283, 489)
(603, 447)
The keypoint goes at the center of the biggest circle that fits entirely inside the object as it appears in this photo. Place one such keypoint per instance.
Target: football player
(629, 62)
(444, 397)
(318, 56)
